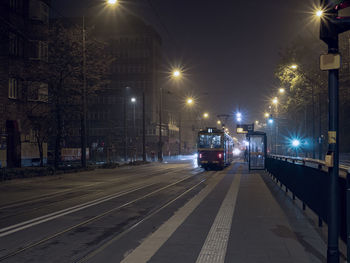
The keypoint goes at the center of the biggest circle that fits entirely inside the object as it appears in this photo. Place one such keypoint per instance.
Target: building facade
(23, 90)
(115, 115)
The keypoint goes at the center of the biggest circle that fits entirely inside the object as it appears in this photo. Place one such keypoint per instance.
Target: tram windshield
(209, 141)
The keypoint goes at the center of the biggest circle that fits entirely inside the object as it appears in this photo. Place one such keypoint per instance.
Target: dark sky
(228, 47)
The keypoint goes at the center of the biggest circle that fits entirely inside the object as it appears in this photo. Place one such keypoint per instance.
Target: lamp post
(133, 101)
(83, 121)
(176, 74)
(275, 102)
(84, 95)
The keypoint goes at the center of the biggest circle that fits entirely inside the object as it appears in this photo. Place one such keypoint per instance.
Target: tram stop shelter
(257, 150)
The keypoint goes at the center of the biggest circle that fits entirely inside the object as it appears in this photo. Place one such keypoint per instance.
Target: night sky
(228, 48)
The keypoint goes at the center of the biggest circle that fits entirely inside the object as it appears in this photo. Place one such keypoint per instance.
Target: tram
(215, 148)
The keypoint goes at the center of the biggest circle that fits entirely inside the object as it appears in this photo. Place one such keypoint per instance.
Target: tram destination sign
(245, 128)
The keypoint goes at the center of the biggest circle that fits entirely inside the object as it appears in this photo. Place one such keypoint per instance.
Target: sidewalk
(245, 218)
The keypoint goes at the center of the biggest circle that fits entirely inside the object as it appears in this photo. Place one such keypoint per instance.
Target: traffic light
(331, 24)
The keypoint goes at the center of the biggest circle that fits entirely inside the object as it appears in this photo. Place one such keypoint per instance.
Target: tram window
(209, 141)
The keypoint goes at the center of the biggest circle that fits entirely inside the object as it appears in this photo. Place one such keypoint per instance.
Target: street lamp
(296, 145)
(206, 115)
(218, 122)
(176, 74)
(275, 100)
(294, 66)
(266, 115)
(281, 90)
(84, 93)
(319, 13)
(239, 116)
(112, 2)
(133, 101)
(189, 101)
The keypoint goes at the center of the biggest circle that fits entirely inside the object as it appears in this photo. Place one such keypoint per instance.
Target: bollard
(348, 213)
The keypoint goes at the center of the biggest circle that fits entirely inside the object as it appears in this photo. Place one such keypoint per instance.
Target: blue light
(295, 143)
(270, 121)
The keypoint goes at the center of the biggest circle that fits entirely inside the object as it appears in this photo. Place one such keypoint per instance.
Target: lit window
(13, 88)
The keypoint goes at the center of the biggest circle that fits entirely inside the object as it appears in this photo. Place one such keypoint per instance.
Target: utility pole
(143, 127)
(180, 132)
(125, 127)
(160, 143)
(320, 127)
(331, 25)
(313, 124)
(83, 121)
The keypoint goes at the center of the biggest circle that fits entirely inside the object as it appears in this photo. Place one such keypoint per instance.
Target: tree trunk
(40, 148)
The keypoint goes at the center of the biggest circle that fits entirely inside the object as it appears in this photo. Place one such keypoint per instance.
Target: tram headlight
(236, 152)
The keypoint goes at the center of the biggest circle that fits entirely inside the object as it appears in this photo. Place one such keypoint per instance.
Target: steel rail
(91, 220)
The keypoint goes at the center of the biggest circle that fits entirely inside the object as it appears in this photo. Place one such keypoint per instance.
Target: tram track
(67, 191)
(19, 227)
(34, 207)
(100, 248)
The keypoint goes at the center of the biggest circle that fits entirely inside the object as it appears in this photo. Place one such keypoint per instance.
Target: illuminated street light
(270, 120)
(189, 101)
(218, 122)
(206, 115)
(282, 90)
(296, 143)
(275, 100)
(294, 66)
(176, 73)
(319, 13)
(239, 116)
(112, 2)
(266, 115)
(133, 100)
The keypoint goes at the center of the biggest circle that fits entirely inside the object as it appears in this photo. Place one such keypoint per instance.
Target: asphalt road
(67, 218)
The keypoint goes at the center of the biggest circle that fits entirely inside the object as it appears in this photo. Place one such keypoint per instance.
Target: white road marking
(20, 226)
(153, 242)
(214, 248)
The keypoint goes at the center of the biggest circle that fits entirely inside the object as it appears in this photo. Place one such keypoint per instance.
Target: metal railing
(308, 180)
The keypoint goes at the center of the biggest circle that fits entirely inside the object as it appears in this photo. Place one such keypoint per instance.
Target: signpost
(244, 128)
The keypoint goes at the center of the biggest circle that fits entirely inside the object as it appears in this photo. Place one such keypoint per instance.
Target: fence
(308, 180)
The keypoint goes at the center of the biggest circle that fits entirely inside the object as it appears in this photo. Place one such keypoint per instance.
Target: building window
(39, 11)
(38, 50)
(15, 45)
(38, 91)
(14, 85)
(16, 5)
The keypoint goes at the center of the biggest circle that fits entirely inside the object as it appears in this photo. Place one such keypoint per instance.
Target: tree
(65, 73)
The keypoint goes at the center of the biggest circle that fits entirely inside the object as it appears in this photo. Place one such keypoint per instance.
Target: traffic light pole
(333, 149)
